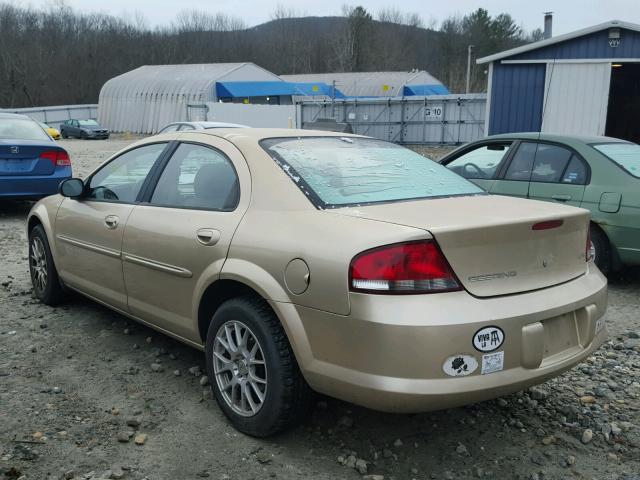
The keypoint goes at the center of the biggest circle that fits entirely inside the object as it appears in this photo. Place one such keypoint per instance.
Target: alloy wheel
(38, 264)
(240, 369)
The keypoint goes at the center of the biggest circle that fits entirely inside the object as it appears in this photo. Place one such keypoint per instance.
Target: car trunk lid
(491, 242)
(22, 157)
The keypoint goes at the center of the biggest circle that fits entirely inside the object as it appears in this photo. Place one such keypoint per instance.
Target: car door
(559, 175)
(480, 163)
(75, 128)
(176, 242)
(89, 230)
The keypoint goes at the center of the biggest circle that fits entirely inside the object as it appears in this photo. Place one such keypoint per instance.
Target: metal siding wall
(450, 119)
(577, 97)
(594, 45)
(517, 94)
(272, 116)
(54, 116)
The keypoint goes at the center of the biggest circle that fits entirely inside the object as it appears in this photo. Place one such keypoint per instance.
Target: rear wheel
(254, 375)
(64, 134)
(602, 249)
(44, 277)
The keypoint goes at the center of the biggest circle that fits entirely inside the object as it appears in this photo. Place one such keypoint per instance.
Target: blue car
(32, 165)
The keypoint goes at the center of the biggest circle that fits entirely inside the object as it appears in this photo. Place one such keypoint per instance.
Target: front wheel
(44, 276)
(254, 375)
(601, 250)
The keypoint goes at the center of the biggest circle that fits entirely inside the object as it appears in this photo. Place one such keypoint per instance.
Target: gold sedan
(304, 261)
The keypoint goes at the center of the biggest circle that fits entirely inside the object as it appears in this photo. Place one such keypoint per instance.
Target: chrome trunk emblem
(15, 149)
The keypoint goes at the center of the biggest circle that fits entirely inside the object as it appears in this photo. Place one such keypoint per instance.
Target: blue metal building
(585, 82)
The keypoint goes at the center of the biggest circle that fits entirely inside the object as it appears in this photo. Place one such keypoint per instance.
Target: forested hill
(61, 56)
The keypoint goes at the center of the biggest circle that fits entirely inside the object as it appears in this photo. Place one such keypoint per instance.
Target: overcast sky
(569, 15)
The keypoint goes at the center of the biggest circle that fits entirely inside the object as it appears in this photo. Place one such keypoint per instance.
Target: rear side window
(550, 163)
(198, 177)
(626, 155)
(576, 172)
(546, 163)
(348, 171)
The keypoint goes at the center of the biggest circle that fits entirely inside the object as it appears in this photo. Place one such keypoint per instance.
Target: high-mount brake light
(402, 268)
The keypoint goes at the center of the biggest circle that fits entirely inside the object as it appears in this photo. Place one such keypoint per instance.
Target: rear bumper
(34, 186)
(388, 354)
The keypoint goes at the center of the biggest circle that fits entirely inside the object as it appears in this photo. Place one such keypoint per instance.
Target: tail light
(59, 158)
(590, 249)
(412, 267)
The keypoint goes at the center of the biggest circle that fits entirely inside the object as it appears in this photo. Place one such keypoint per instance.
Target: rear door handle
(208, 236)
(561, 197)
(111, 222)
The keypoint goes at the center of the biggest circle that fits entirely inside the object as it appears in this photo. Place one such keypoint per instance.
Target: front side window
(21, 129)
(346, 171)
(121, 179)
(198, 177)
(481, 162)
(626, 155)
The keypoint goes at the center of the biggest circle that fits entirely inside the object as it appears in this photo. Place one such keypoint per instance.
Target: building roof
(560, 38)
(184, 79)
(368, 84)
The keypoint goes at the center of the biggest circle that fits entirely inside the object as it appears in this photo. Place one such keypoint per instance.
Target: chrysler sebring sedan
(303, 261)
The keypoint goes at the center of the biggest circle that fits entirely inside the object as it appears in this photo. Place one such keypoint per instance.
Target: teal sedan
(600, 174)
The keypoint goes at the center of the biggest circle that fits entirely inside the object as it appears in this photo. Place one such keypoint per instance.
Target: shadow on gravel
(14, 209)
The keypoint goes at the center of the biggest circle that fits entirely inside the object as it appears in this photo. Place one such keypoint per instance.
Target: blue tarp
(268, 89)
(438, 89)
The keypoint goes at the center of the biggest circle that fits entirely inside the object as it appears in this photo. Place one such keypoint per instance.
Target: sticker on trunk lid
(460, 365)
(492, 362)
(488, 339)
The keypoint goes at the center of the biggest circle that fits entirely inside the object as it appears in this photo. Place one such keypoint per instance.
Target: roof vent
(548, 25)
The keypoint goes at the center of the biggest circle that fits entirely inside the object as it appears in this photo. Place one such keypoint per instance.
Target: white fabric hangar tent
(147, 98)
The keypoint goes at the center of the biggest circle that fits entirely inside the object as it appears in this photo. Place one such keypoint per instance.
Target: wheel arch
(616, 263)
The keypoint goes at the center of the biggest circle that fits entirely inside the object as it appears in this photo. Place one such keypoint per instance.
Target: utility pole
(469, 50)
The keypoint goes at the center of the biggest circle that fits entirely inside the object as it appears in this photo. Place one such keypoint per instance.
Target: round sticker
(460, 365)
(488, 339)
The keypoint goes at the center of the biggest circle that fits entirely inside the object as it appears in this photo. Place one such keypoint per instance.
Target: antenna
(546, 92)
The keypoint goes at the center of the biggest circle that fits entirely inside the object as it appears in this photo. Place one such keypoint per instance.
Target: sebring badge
(488, 339)
(15, 149)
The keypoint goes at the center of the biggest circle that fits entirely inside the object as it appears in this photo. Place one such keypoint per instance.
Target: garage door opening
(623, 116)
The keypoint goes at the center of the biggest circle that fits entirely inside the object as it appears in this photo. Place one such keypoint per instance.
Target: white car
(185, 126)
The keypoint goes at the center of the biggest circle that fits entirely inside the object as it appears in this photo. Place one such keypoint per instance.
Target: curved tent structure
(147, 98)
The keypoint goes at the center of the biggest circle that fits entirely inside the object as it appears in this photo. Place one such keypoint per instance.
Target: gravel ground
(79, 399)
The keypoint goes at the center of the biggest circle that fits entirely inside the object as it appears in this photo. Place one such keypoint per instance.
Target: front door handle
(208, 236)
(111, 221)
(561, 197)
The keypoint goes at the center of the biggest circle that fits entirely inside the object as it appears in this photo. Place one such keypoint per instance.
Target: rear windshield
(348, 171)
(21, 129)
(627, 155)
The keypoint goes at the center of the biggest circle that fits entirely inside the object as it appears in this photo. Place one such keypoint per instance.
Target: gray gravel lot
(77, 391)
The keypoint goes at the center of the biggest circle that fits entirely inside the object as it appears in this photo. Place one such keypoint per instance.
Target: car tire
(602, 249)
(44, 276)
(64, 135)
(286, 397)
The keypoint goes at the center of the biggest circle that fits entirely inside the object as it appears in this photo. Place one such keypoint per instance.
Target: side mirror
(71, 187)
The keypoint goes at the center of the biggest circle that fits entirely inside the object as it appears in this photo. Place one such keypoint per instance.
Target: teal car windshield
(347, 171)
(627, 155)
